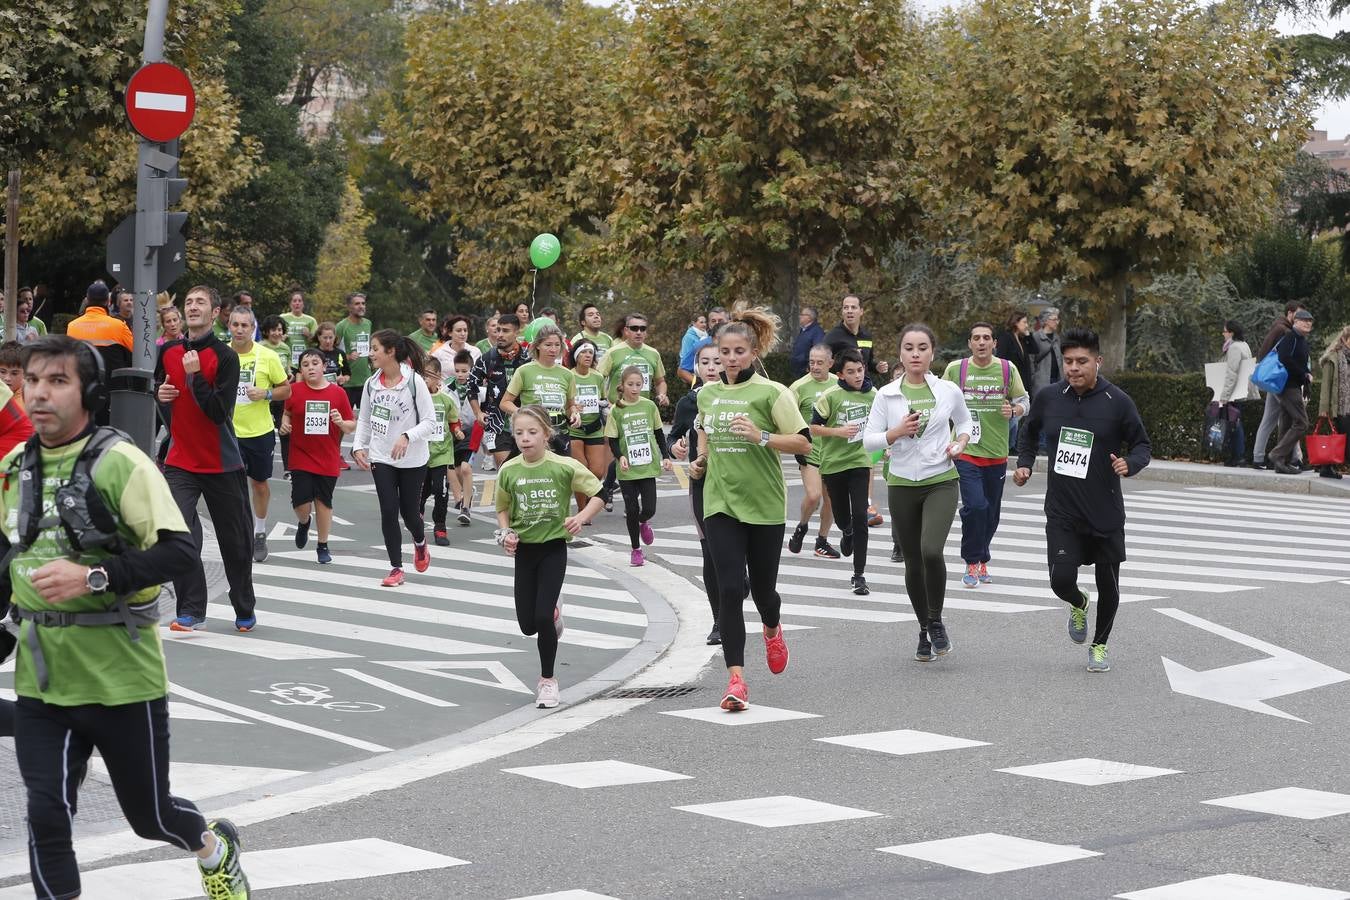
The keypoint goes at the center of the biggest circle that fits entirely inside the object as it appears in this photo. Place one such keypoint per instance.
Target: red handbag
(1326, 449)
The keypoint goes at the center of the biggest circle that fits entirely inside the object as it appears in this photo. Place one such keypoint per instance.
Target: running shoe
(846, 544)
(776, 652)
(558, 619)
(607, 497)
(246, 624)
(972, 576)
(421, 557)
(645, 532)
(860, 586)
(324, 556)
(798, 536)
(824, 550)
(549, 693)
(393, 579)
(873, 517)
(1078, 620)
(897, 555)
(937, 632)
(489, 464)
(226, 881)
(344, 466)
(188, 623)
(924, 653)
(737, 698)
(260, 547)
(1097, 659)
(302, 534)
(464, 519)
(286, 476)
(636, 558)
(442, 539)
(714, 636)
(984, 574)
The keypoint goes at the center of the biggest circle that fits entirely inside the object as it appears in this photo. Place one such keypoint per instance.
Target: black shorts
(505, 442)
(257, 454)
(804, 462)
(306, 487)
(354, 395)
(1069, 546)
(589, 441)
(462, 452)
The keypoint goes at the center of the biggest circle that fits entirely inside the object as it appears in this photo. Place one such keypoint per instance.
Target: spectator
(849, 334)
(1014, 345)
(124, 305)
(26, 327)
(697, 331)
(717, 317)
(170, 325)
(1045, 350)
(11, 369)
(809, 334)
(1334, 401)
(1270, 414)
(109, 336)
(1235, 352)
(1293, 353)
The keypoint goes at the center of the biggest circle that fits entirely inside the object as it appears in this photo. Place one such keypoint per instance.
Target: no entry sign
(160, 102)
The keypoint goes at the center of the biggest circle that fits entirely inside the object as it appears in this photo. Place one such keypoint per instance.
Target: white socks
(259, 525)
(217, 856)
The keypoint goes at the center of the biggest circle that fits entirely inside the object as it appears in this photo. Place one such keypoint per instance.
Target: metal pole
(12, 255)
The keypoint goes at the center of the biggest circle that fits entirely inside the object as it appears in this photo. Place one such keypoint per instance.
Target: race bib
(552, 399)
(438, 430)
(1073, 453)
(317, 416)
(331, 377)
(363, 344)
(639, 451)
(245, 382)
(974, 431)
(380, 417)
(296, 350)
(490, 440)
(646, 376)
(855, 415)
(588, 398)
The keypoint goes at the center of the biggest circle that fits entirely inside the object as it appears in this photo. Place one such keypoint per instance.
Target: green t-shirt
(424, 340)
(745, 480)
(221, 330)
(590, 389)
(921, 401)
(840, 408)
(354, 338)
(260, 368)
(283, 352)
(296, 337)
(91, 664)
(538, 495)
(634, 427)
(442, 441)
(601, 340)
(484, 345)
(985, 392)
(808, 390)
(620, 357)
(552, 387)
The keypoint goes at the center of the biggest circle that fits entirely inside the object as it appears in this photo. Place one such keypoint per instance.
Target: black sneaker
(860, 586)
(714, 636)
(846, 544)
(464, 519)
(440, 536)
(897, 555)
(798, 535)
(824, 550)
(608, 498)
(925, 651)
(302, 534)
(941, 643)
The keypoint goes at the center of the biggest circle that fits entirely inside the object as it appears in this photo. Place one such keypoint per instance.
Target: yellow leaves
(344, 260)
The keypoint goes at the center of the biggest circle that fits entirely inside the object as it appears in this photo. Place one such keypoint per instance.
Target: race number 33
(1073, 452)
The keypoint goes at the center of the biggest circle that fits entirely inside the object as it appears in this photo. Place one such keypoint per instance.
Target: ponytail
(757, 324)
(406, 350)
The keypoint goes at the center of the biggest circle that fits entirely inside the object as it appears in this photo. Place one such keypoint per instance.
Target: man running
(1086, 420)
(591, 330)
(262, 380)
(353, 339)
(994, 394)
(300, 327)
(425, 336)
(198, 380)
(493, 372)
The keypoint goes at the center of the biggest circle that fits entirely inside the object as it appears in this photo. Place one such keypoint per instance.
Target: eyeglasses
(637, 327)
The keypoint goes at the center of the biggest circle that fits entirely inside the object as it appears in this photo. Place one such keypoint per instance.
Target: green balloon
(545, 250)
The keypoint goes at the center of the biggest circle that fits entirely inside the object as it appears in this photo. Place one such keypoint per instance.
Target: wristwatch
(501, 534)
(764, 438)
(96, 580)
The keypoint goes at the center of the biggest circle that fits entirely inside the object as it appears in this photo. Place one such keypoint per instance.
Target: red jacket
(201, 418)
(14, 426)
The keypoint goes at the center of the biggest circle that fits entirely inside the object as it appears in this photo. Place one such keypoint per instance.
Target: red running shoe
(776, 652)
(393, 579)
(737, 698)
(421, 557)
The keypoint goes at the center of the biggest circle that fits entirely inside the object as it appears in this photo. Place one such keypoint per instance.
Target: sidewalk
(1218, 475)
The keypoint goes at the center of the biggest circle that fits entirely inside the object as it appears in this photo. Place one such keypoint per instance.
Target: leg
(630, 491)
(939, 508)
(323, 517)
(1108, 599)
(647, 494)
(710, 583)
(386, 489)
(551, 572)
(763, 552)
(811, 493)
(50, 755)
(262, 498)
(974, 512)
(410, 483)
(858, 484)
(1292, 407)
(728, 540)
(826, 515)
(225, 501)
(190, 589)
(907, 527)
(1269, 415)
(1064, 583)
(995, 477)
(440, 485)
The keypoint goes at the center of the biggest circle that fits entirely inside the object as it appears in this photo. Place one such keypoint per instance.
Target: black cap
(1303, 314)
(97, 293)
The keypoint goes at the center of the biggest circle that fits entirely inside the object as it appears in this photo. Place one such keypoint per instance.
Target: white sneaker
(548, 693)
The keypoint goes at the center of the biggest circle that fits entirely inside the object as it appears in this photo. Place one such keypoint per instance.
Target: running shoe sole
(732, 703)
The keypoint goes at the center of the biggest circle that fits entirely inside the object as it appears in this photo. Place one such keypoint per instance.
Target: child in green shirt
(442, 445)
(633, 427)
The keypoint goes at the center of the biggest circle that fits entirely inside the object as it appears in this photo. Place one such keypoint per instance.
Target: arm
(874, 432)
(172, 556)
(1324, 394)
(508, 404)
(426, 411)
(1233, 361)
(1136, 438)
(1029, 435)
(217, 401)
(281, 391)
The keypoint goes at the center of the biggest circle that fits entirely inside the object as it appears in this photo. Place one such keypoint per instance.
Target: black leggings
(53, 745)
(710, 582)
(1064, 582)
(6, 718)
(435, 484)
(540, 570)
(921, 519)
(736, 545)
(278, 407)
(848, 498)
(639, 504)
(400, 491)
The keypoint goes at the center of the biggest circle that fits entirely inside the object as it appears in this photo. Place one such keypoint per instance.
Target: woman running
(441, 453)
(634, 426)
(545, 381)
(534, 493)
(396, 420)
(916, 416)
(748, 421)
(336, 368)
(808, 388)
(588, 438)
(316, 416)
(845, 465)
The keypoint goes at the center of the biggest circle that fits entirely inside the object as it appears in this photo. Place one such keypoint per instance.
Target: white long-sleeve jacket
(924, 457)
(390, 412)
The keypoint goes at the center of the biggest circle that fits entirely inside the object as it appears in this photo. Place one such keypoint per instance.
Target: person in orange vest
(108, 335)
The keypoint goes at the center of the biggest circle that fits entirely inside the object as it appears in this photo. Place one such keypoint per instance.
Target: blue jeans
(981, 502)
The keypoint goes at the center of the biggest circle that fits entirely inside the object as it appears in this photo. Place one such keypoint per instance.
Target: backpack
(1007, 375)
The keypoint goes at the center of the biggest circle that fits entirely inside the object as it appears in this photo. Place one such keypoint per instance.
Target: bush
(1172, 407)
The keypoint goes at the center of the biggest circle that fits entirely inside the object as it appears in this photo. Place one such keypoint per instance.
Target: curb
(1196, 475)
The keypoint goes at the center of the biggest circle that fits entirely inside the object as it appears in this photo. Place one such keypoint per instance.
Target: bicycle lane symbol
(294, 693)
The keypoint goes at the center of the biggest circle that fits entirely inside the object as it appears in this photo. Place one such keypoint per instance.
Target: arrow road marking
(162, 102)
(501, 676)
(1247, 684)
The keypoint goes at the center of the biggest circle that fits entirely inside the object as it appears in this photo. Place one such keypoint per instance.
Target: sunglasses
(637, 327)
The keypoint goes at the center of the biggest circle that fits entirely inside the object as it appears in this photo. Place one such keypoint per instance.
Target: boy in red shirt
(317, 415)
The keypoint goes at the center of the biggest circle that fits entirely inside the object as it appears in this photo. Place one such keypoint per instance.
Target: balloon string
(533, 286)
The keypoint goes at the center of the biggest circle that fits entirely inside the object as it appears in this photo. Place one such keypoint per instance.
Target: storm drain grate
(652, 693)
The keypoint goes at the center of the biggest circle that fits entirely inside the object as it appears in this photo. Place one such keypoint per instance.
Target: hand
(400, 447)
(667, 465)
(663, 399)
(883, 367)
(573, 525)
(680, 449)
(361, 458)
(909, 427)
(192, 362)
(623, 464)
(255, 394)
(742, 427)
(849, 431)
(61, 580)
(459, 435)
(957, 447)
(1021, 476)
(575, 418)
(512, 541)
(285, 426)
(167, 393)
(1120, 466)
(335, 417)
(1006, 410)
(698, 468)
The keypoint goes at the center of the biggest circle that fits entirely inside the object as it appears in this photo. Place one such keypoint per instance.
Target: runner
(336, 369)
(493, 373)
(441, 452)
(90, 670)
(490, 329)
(917, 416)
(300, 327)
(845, 466)
(547, 383)
(170, 325)
(396, 420)
(353, 339)
(808, 389)
(316, 417)
(461, 477)
(994, 395)
(425, 335)
(273, 330)
(1087, 420)
(262, 380)
(533, 495)
(748, 421)
(198, 382)
(454, 333)
(587, 438)
(591, 323)
(630, 350)
(634, 425)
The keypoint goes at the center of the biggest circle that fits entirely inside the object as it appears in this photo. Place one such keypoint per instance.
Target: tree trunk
(12, 255)
(785, 281)
(1113, 325)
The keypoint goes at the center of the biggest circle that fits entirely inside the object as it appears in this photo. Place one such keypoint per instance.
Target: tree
(768, 139)
(1106, 144)
(344, 259)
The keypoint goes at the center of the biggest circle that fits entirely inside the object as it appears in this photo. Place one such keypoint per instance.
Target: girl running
(546, 382)
(316, 416)
(336, 369)
(441, 452)
(916, 416)
(845, 466)
(634, 426)
(587, 438)
(807, 388)
(534, 492)
(396, 420)
(748, 421)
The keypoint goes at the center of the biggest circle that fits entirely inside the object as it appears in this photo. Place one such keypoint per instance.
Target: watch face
(97, 580)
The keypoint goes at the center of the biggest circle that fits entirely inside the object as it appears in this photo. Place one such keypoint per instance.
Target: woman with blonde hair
(746, 422)
(1334, 402)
